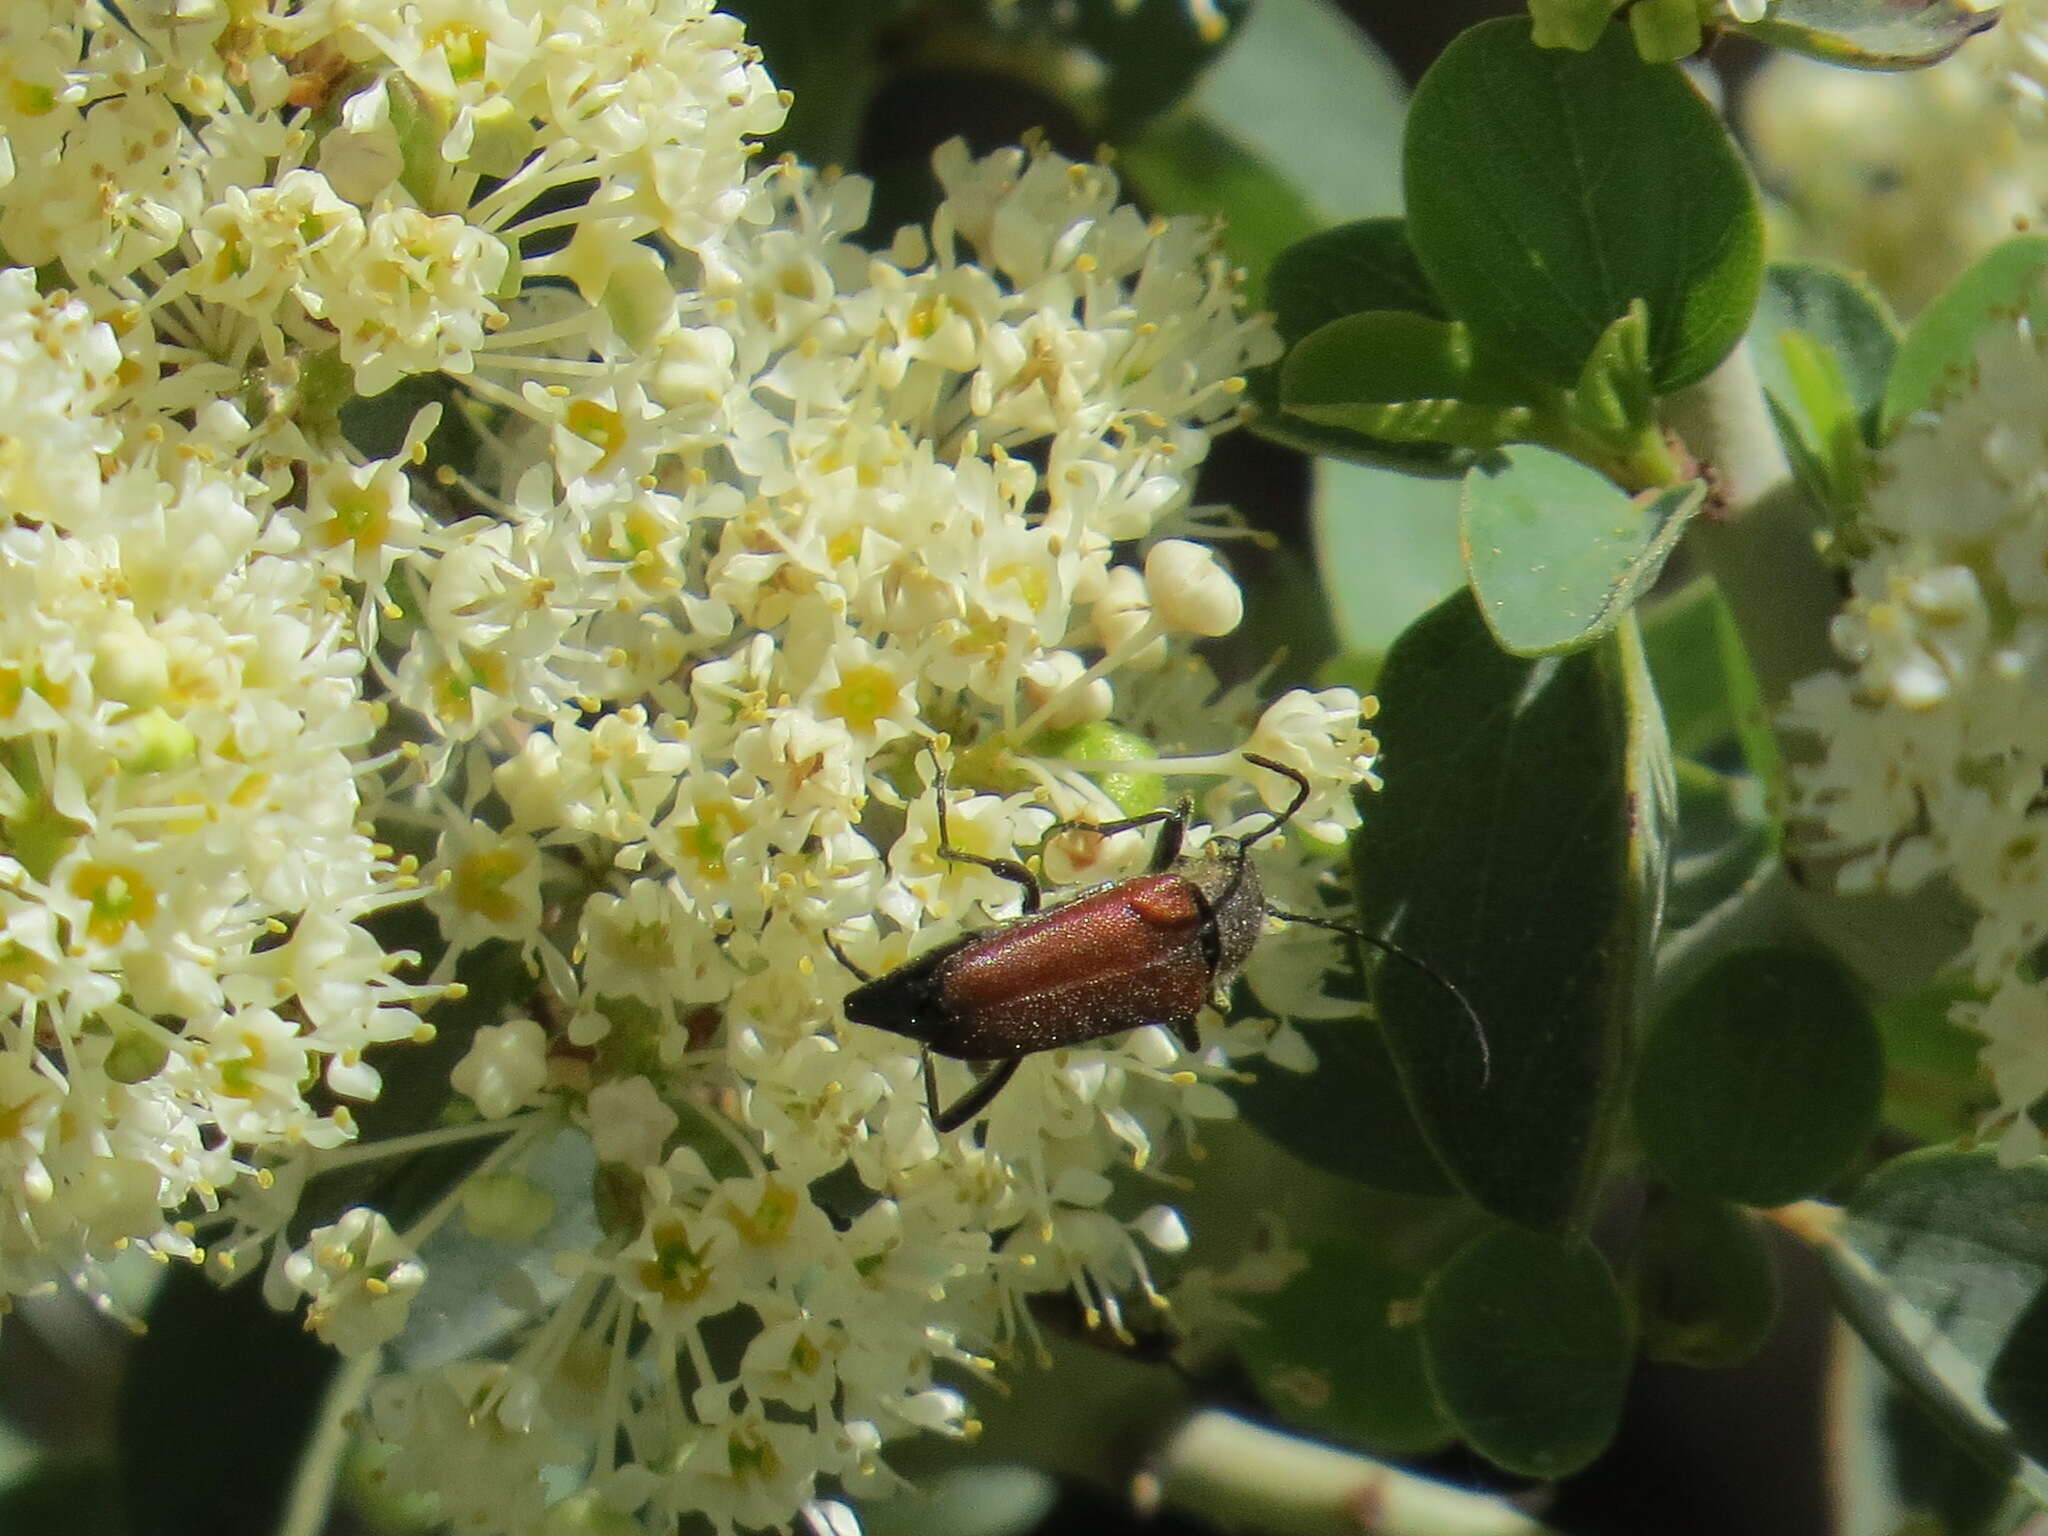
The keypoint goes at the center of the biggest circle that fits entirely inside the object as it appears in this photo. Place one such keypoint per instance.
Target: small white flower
(360, 1277)
(1189, 591)
(1932, 758)
(629, 1123)
(504, 1069)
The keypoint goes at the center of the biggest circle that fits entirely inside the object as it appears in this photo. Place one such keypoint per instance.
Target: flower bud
(1190, 592)
(1122, 610)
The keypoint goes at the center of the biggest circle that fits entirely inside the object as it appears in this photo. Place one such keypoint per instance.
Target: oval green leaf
(1517, 850)
(1367, 264)
(1348, 1116)
(1402, 378)
(1387, 546)
(2004, 283)
(1703, 1282)
(1547, 190)
(1941, 1267)
(1526, 1342)
(1843, 313)
(1331, 1358)
(1934, 1089)
(1761, 1082)
(1557, 553)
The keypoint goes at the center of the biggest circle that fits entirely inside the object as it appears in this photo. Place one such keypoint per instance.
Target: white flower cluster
(1936, 746)
(181, 869)
(725, 535)
(854, 516)
(184, 860)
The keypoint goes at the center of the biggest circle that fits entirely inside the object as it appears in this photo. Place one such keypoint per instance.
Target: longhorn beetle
(1152, 949)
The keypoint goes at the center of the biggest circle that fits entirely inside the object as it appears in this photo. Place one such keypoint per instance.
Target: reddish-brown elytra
(1153, 949)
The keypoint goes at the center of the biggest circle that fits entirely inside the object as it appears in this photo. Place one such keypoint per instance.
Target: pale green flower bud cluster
(1934, 746)
(753, 530)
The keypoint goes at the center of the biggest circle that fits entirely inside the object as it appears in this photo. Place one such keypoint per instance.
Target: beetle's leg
(840, 955)
(1007, 869)
(974, 1100)
(1185, 1032)
(1173, 828)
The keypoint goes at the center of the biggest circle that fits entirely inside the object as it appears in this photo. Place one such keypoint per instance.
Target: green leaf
(1515, 849)
(1941, 1267)
(1402, 378)
(1329, 1356)
(1526, 1343)
(1841, 312)
(1293, 128)
(1387, 546)
(1575, 24)
(1871, 34)
(1347, 1117)
(1824, 344)
(1725, 840)
(1753, 718)
(1934, 1089)
(71, 1494)
(1612, 400)
(217, 1404)
(473, 1304)
(1712, 703)
(1548, 190)
(1681, 637)
(1304, 436)
(1557, 554)
(1304, 89)
(1665, 31)
(2001, 285)
(1761, 1081)
(1703, 1282)
(1930, 1472)
(1367, 264)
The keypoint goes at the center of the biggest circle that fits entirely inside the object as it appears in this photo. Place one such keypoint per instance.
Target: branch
(1241, 1475)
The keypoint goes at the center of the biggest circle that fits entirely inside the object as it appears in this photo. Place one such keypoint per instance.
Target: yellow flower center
(770, 1219)
(119, 896)
(480, 883)
(676, 1273)
(864, 696)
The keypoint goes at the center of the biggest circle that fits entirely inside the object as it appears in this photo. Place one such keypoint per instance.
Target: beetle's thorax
(1223, 872)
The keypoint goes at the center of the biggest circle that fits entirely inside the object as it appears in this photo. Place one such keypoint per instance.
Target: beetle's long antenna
(1279, 818)
(840, 955)
(1394, 951)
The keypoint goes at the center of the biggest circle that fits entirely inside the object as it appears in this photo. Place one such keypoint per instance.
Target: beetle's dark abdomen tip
(904, 1002)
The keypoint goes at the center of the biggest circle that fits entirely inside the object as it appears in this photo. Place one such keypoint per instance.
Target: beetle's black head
(1223, 872)
(905, 1002)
